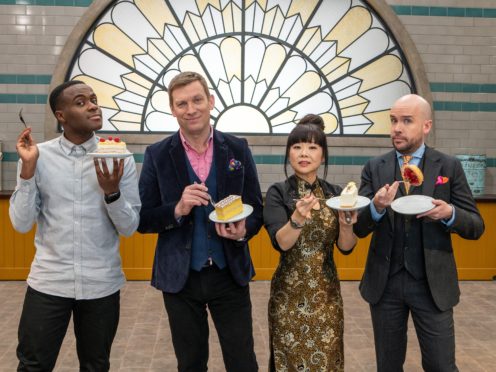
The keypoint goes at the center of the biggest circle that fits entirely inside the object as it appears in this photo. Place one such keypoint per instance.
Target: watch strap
(110, 198)
(294, 224)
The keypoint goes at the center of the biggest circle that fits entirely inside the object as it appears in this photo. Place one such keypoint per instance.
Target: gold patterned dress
(305, 306)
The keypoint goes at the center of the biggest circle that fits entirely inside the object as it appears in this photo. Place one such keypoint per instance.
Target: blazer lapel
(386, 175)
(221, 162)
(432, 168)
(178, 158)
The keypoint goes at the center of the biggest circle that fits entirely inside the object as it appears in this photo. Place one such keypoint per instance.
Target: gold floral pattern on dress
(305, 306)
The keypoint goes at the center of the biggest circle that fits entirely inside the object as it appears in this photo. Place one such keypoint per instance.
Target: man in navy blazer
(199, 263)
(410, 265)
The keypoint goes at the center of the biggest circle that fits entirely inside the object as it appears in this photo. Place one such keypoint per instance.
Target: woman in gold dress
(305, 305)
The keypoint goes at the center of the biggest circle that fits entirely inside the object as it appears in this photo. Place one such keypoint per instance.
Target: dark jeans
(44, 322)
(435, 329)
(230, 307)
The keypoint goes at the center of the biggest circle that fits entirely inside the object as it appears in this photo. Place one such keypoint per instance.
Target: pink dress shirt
(200, 163)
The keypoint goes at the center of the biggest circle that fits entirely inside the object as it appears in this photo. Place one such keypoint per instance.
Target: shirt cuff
(27, 185)
(449, 222)
(376, 216)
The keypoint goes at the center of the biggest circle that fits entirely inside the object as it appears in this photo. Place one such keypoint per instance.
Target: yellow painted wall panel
(476, 260)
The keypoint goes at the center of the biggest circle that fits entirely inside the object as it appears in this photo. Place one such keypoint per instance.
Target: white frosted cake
(349, 196)
(229, 207)
(111, 146)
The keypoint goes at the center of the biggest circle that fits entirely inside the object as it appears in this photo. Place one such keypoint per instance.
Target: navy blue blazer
(163, 178)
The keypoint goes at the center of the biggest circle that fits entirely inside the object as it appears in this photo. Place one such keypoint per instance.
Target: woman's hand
(347, 217)
(304, 208)
(347, 238)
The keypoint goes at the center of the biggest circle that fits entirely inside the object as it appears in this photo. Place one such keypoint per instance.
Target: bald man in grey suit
(410, 265)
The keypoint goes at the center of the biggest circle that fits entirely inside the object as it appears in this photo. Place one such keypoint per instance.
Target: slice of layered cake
(111, 146)
(349, 196)
(229, 207)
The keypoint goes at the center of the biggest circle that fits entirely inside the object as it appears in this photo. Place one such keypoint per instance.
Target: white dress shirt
(77, 237)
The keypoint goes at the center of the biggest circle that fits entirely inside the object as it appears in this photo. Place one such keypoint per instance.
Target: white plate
(334, 203)
(104, 155)
(247, 210)
(413, 204)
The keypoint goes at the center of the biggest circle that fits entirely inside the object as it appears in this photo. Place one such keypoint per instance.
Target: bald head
(415, 101)
(411, 122)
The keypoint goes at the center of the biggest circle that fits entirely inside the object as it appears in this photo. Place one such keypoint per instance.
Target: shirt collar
(71, 149)
(418, 154)
(188, 147)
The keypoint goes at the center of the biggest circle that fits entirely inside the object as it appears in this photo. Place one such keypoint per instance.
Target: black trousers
(435, 329)
(230, 308)
(44, 322)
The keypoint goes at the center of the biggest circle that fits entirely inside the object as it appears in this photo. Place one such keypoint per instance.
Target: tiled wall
(455, 39)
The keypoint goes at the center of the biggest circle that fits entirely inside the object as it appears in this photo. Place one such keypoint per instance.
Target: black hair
(58, 90)
(308, 132)
(313, 119)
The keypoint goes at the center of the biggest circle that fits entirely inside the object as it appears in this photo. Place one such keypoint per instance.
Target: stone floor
(143, 340)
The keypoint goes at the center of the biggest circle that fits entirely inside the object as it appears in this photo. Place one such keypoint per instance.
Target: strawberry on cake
(111, 146)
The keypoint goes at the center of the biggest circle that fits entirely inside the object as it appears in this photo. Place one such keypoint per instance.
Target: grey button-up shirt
(77, 237)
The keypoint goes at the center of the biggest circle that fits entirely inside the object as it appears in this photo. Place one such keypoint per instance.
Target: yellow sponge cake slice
(229, 207)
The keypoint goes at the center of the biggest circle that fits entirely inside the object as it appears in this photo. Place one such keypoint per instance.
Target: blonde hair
(185, 78)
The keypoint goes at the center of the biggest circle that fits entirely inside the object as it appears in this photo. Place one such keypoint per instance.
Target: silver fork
(211, 200)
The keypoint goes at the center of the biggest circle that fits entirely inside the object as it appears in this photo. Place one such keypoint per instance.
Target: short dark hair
(58, 90)
(307, 133)
(185, 78)
(313, 119)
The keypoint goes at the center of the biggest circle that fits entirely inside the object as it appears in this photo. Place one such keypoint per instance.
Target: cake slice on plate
(229, 207)
(349, 196)
(111, 146)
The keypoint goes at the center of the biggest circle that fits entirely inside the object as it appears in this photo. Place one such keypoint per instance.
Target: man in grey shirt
(80, 206)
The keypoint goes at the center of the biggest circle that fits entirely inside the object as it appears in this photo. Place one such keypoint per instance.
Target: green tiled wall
(438, 11)
(269, 159)
(435, 87)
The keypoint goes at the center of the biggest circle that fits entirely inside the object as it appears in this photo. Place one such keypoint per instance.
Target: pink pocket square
(441, 180)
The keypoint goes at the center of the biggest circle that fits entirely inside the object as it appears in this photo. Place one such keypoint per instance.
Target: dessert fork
(22, 119)
(211, 200)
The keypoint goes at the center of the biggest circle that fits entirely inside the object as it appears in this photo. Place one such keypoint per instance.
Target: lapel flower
(234, 165)
(441, 180)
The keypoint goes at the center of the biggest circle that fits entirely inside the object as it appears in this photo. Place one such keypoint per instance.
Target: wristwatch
(110, 198)
(294, 224)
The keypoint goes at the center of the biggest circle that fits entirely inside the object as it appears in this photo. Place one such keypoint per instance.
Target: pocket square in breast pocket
(440, 180)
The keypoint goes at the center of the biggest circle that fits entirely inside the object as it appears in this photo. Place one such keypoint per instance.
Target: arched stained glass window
(268, 63)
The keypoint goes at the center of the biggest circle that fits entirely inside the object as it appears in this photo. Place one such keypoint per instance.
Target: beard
(406, 146)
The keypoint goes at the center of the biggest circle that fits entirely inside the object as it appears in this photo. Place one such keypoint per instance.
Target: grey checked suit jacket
(436, 237)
